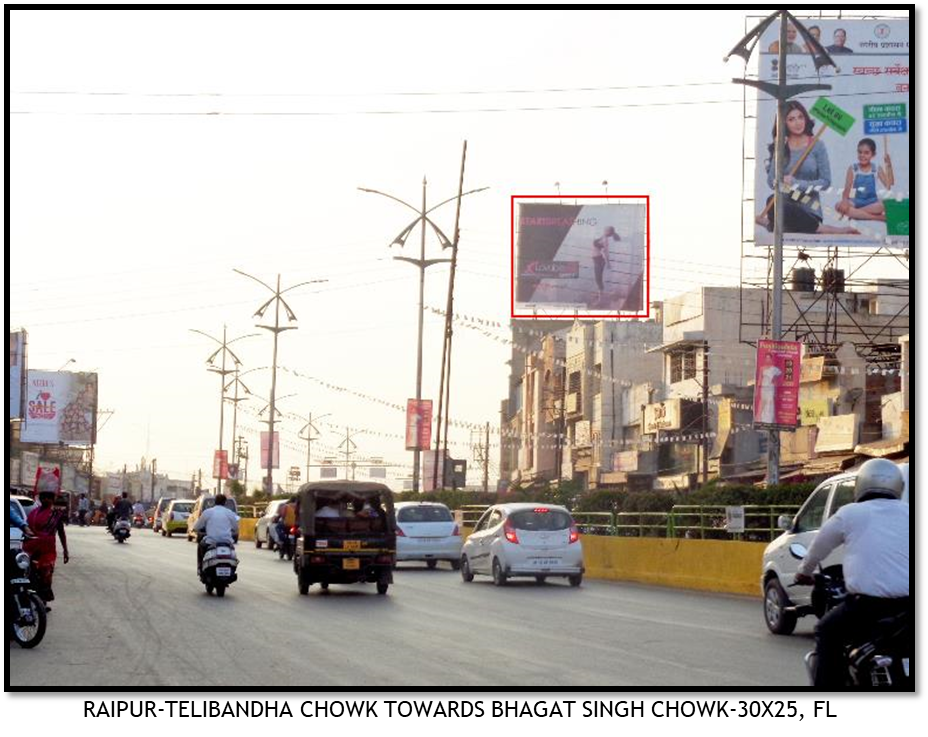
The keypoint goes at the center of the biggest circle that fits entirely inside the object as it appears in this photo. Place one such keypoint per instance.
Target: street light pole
(277, 299)
(422, 263)
(310, 428)
(781, 91)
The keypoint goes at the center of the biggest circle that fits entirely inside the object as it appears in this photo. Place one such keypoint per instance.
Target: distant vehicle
(782, 609)
(25, 503)
(175, 516)
(160, 509)
(204, 502)
(264, 527)
(426, 531)
(525, 539)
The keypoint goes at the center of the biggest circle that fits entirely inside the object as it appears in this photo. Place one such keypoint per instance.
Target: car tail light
(574, 534)
(399, 532)
(540, 510)
(317, 559)
(456, 531)
(293, 530)
(510, 533)
(384, 559)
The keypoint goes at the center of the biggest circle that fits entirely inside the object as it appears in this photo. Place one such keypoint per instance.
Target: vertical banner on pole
(264, 449)
(418, 424)
(776, 384)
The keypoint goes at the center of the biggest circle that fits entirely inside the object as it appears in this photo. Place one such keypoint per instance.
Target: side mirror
(784, 522)
(798, 550)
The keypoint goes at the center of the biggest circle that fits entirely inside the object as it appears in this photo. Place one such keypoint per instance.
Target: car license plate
(351, 564)
(905, 666)
(546, 562)
(352, 544)
(223, 571)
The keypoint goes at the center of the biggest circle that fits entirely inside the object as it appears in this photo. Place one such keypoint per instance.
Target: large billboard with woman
(846, 149)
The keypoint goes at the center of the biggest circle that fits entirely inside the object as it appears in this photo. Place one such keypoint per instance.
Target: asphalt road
(136, 615)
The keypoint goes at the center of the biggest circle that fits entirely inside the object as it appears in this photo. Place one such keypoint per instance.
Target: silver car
(784, 604)
(534, 540)
(427, 531)
(266, 526)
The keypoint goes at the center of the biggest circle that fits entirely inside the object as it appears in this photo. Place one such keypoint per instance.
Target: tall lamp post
(276, 329)
(781, 91)
(422, 263)
(309, 428)
(222, 371)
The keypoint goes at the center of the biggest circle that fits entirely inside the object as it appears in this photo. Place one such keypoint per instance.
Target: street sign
(883, 119)
(734, 519)
(831, 115)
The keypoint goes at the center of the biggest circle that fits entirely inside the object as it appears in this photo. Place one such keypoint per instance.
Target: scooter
(27, 616)
(219, 568)
(138, 521)
(122, 530)
(883, 659)
(288, 544)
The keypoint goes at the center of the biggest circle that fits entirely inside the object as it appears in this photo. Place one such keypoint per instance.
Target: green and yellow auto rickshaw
(347, 534)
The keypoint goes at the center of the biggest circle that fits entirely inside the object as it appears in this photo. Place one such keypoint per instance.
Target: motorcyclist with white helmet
(875, 533)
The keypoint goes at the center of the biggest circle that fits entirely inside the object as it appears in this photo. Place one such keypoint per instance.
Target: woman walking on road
(46, 521)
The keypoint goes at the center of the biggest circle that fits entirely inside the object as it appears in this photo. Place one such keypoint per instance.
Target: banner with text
(61, 407)
(776, 383)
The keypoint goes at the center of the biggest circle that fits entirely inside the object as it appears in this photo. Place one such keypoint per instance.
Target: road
(135, 615)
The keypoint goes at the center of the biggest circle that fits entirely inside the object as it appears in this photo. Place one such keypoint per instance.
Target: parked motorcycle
(219, 568)
(121, 530)
(26, 609)
(883, 658)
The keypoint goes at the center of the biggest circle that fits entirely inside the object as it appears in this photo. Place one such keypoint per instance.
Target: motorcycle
(883, 658)
(218, 569)
(28, 619)
(122, 530)
(138, 521)
(288, 543)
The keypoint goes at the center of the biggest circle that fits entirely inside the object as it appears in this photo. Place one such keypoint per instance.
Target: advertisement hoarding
(662, 416)
(264, 449)
(776, 383)
(220, 464)
(418, 424)
(588, 257)
(61, 407)
(17, 372)
(850, 143)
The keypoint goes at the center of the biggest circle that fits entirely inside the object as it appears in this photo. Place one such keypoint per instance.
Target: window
(574, 383)
(546, 521)
(682, 365)
(424, 514)
(495, 518)
(844, 494)
(597, 378)
(482, 522)
(812, 512)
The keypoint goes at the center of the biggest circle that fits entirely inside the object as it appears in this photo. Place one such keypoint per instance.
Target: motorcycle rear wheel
(220, 590)
(28, 636)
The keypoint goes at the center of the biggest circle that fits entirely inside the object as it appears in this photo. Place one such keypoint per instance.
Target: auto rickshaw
(347, 534)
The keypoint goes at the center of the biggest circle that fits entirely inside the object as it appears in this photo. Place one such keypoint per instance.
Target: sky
(153, 152)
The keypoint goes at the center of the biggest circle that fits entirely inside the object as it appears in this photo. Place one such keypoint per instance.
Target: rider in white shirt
(220, 525)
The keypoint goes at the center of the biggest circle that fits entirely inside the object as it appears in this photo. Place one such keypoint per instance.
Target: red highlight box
(582, 315)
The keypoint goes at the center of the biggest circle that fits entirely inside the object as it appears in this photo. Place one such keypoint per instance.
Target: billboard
(848, 147)
(264, 449)
(220, 464)
(776, 383)
(61, 407)
(587, 258)
(17, 372)
(662, 416)
(418, 424)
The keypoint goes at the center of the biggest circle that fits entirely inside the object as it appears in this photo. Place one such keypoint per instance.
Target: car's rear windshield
(529, 520)
(424, 514)
(183, 507)
(211, 502)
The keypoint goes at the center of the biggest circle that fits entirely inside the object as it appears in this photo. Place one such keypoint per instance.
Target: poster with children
(846, 175)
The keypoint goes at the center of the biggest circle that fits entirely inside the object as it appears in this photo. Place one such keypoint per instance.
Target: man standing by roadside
(83, 508)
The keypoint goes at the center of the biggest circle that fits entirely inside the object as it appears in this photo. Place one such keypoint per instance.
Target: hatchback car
(265, 526)
(160, 509)
(534, 540)
(426, 531)
(782, 609)
(204, 502)
(175, 516)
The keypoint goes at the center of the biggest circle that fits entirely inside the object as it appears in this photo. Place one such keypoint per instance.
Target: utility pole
(422, 263)
(781, 91)
(486, 462)
(349, 449)
(276, 330)
(705, 413)
(235, 399)
(222, 371)
(154, 470)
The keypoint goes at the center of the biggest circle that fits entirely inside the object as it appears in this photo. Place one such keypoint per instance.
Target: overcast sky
(153, 152)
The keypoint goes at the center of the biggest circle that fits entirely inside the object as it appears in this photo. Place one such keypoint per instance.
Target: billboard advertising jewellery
(61, 407)
(586, 257)
(847, 172)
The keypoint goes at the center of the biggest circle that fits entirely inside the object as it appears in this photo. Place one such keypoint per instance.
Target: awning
(829, 464)
(882, 448)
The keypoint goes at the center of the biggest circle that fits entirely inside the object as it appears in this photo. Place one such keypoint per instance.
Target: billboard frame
(640, 315)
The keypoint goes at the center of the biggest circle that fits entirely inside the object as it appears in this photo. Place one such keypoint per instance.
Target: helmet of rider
(878, 478)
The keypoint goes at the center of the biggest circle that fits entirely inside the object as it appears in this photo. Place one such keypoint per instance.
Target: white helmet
(881, 477)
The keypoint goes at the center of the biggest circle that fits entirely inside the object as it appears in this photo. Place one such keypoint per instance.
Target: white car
(536, 540)
(266, 526)
(784, 604)
(427, 531)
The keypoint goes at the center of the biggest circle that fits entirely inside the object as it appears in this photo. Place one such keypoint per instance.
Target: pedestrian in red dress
(46, 521)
